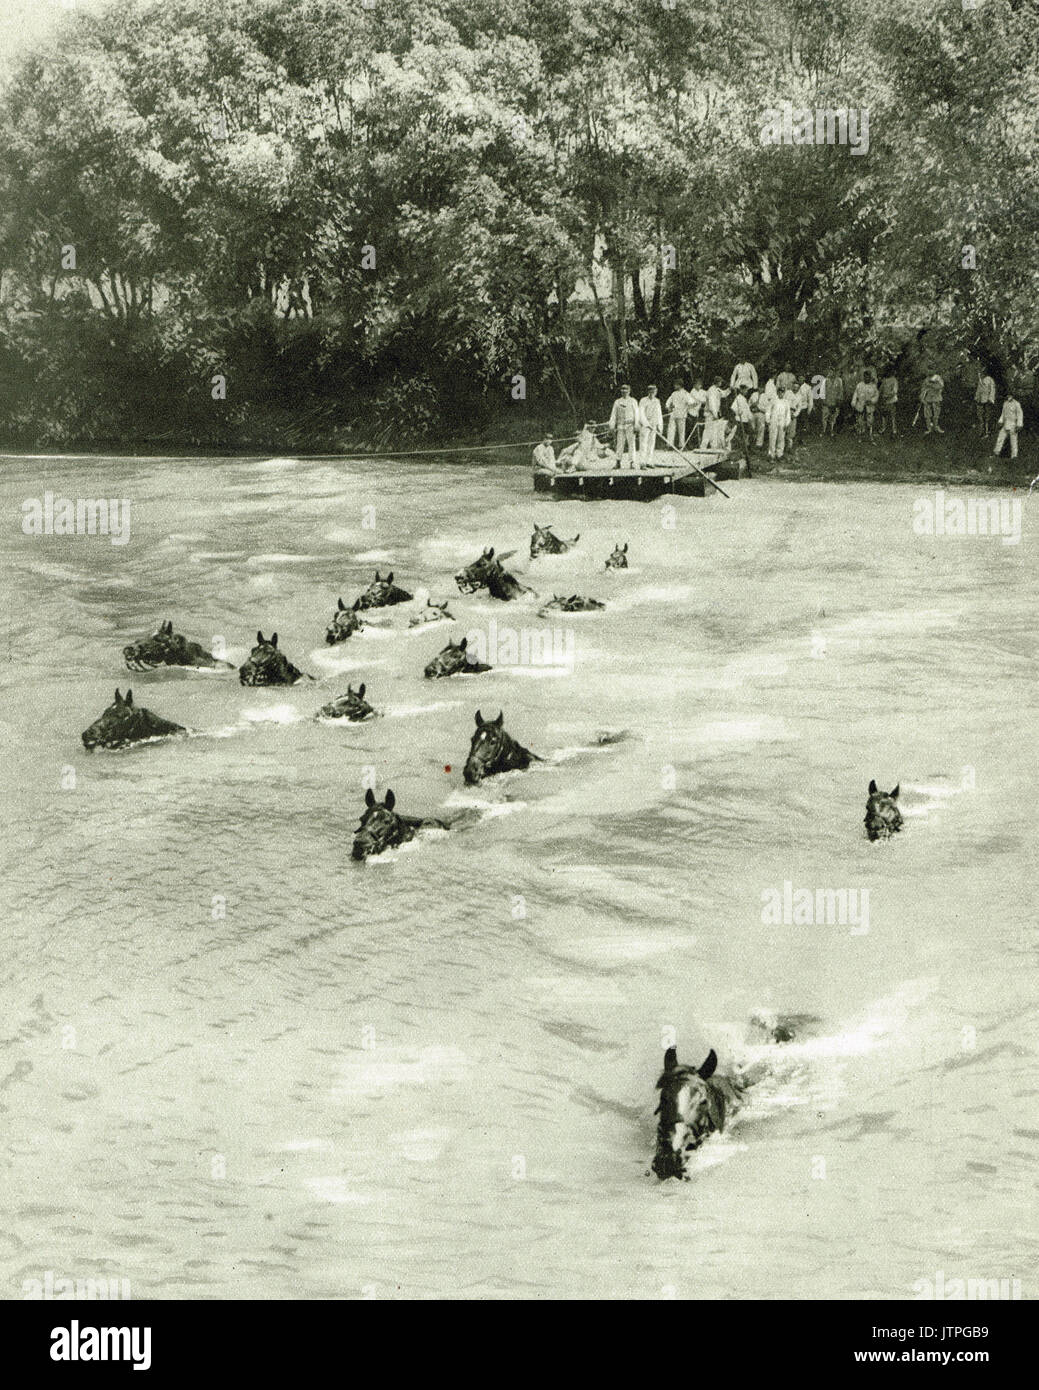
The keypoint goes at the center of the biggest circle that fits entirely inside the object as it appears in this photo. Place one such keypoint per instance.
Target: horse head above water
(544, 541)
(168, 648)
(382, 593)
(576, 603)
(383, 828)
(883, 818)
(345, 622)
(493, 750)
(454, 660)
(352, 706)
(696, 1102)
(693, 1105)
(432, 613)
(489, 573)
(123, 723)
(267, 665)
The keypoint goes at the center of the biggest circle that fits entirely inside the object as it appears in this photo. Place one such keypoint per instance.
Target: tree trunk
(620, 300)
(607, 327)
(658, 277)
(637, 298)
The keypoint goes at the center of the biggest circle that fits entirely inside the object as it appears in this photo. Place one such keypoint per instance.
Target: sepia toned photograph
(520, 664)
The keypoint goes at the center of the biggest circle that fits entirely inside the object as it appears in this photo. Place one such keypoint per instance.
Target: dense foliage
(377, 214)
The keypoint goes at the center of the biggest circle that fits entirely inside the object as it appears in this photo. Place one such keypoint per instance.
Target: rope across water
(459, 449)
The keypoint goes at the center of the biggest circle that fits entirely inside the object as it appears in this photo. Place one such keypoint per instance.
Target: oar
(691, 464)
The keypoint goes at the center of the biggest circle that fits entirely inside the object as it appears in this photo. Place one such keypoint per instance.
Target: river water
(233, 1063)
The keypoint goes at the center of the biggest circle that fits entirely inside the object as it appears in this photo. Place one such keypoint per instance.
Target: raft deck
(643, 484)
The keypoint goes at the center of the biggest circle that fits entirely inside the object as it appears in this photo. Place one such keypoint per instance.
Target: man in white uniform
(778, 420)
(698, 399)
(714, 425)
(545, 456)
(741, 413)
(678, 404)
(651, 423)
(759, 404)
(744, 374)
(1012, 418)
(985, 403)
(624, 418)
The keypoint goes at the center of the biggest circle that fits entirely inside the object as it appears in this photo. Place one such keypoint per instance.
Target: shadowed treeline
(225, 221)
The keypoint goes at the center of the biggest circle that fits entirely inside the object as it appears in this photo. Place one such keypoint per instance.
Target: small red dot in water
(447, 767)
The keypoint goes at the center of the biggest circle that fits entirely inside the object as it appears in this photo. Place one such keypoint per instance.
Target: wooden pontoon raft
(614, 484)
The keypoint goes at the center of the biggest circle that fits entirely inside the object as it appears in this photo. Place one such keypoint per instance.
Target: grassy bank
(958, 456)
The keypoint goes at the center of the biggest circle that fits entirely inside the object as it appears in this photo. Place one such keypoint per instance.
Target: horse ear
(357, 604)
(369, 797)
(342, 605)
(671, 1059)
(873, 787)
(118, 697)
(259, 638)
(709, 1067)
(377, 577)
(479, 720)
(463, 644)
(129, 698)
(361, 689)
(490, 553)
(501, 718)
(625, 548)
(894, 794)
(274, 639)
(389, 577)
(390, 801)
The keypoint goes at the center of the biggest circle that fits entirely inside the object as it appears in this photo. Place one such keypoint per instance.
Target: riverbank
(952, 458)
(815, 461)
(959, 456)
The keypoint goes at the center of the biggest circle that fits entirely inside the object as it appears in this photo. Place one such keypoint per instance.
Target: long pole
(691, 464)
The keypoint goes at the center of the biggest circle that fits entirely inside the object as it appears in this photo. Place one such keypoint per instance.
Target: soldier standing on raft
(651, 423)
(678, 404)
(624, 417)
